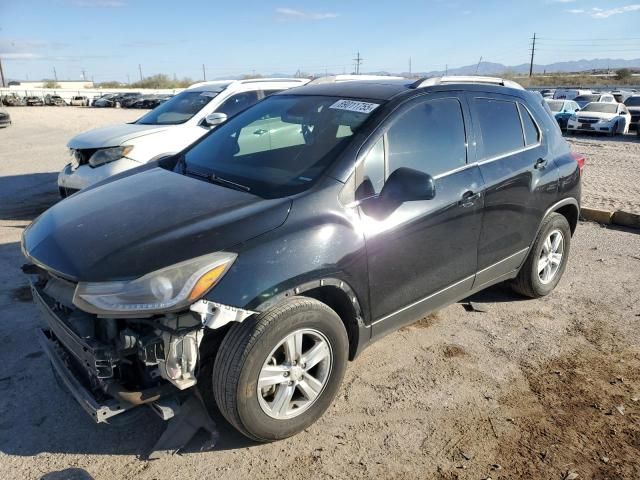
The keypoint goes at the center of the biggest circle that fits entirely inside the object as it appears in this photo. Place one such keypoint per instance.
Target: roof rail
(429, 82)
(272, 80)
(352, 78)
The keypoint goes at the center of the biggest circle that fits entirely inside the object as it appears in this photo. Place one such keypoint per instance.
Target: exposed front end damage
(113, 365)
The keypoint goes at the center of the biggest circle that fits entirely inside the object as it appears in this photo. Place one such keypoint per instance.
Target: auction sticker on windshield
(355, 106)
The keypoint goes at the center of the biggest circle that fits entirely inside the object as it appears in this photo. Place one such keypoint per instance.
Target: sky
(109, 39)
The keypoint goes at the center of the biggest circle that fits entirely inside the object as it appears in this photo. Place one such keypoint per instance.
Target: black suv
(262, 258)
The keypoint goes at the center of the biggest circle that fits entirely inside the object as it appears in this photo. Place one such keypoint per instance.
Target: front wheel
(275, 374)
(547, 258)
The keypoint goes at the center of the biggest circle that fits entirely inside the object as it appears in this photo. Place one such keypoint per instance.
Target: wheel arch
(568, 208)
(339, 296)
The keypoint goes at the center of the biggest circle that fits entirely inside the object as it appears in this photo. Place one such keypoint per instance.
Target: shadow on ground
(24, 197)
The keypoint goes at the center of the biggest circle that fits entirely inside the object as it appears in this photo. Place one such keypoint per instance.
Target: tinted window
(587, 98)
(531, 133)
(500, 127)
(270, 92)
(237, 103)
(632, 101)
(555, 105)
(429, 137)
(601, 107)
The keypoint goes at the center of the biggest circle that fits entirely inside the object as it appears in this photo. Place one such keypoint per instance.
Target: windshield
(555, 105)
(601, 107)
(178, 109)
(281, 145)
(587, 98)
(632, 101)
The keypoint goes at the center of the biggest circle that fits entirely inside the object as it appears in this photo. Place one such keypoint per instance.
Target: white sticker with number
(355, 106)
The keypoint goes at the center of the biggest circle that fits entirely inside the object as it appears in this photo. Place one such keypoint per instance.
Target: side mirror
(215, 118)
(407, 184)
(577, 109)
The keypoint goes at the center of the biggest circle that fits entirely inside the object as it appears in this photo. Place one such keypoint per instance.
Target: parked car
(569, 93)
(5, 118)
(150, 101)
(34, 101)
(127, 99)
(583, 100)
(54, 100)
(107, 100)
(633, 105)
(547, 92)
(100, 153)
(621, 95)
(12, 100)
(79, 101)
(267, 265)
(562, 110)
(610, 118)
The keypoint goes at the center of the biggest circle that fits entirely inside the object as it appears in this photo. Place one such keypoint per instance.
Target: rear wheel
(547, 258)
(275, 374)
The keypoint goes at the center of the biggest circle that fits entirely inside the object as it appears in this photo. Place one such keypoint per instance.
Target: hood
(113, 135)
(600, 115)
(137, 224)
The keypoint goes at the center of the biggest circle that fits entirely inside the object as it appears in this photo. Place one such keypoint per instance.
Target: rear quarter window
(500, 127)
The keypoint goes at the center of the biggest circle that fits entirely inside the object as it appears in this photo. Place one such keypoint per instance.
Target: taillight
(579, 160)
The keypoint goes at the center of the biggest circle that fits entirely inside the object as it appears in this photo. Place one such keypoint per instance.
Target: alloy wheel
(551, 256)
(294, 374)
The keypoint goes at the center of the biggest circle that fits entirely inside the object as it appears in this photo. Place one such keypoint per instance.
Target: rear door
(423, 254)
(520, 181)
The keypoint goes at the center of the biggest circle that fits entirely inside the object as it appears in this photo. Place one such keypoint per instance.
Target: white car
(610, 118)
(79, 101)
(569, 93)
(583, 100)
(165, 130)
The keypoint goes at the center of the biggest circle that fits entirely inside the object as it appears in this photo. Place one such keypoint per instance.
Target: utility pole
(409, 67)
(204, 74)
(1, 75)
(128, 79)
(478, 66)
(358, 61)
(533, 52)
(446, 70)
(55, 74)
(140, 70)
(84, 75)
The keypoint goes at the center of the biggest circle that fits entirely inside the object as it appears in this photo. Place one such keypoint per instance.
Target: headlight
(573, 118)
(170, 288)
(107, 155)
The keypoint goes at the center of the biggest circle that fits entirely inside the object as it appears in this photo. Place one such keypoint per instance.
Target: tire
(247, 348)
(529, 281)
(614, 130)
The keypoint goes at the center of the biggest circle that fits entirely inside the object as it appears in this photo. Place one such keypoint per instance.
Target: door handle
(469, 198)
(260, 131)
(540, 164)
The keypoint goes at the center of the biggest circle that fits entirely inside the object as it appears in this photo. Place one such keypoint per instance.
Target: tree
(623, 74)
(110, 84)
(50, 84)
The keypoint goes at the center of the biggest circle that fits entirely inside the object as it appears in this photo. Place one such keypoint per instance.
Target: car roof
(220, 85)
(383, 90)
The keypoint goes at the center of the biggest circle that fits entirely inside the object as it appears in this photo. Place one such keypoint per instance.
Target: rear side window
(500, 127)
(531, 132)
(429, 137)
(237, 103)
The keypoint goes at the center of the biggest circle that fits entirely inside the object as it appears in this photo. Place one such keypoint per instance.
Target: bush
(623, 74)
(51, 84)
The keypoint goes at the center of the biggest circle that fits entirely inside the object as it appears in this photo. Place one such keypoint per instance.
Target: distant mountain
(488, 68)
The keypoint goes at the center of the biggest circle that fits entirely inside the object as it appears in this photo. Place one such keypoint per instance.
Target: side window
(372, 171)
(531, 133)
(270, 92)
(237, 103)
(429, 137)
(500, 127)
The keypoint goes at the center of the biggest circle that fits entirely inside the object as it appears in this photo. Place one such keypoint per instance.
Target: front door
(423, 254)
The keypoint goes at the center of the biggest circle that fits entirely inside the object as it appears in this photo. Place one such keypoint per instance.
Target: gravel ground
(522, 389)
(612, 172)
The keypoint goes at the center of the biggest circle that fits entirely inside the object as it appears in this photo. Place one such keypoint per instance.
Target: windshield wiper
(213, 178)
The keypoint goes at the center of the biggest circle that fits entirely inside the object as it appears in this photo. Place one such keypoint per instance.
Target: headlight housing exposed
(107, 155)
(170, 288)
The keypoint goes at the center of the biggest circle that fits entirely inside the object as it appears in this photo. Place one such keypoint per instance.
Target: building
(63, 84)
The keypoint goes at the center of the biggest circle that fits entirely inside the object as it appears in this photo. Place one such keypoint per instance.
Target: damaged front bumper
(87, 370)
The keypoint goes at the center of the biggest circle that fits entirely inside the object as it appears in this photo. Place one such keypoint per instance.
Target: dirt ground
(515, 389)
